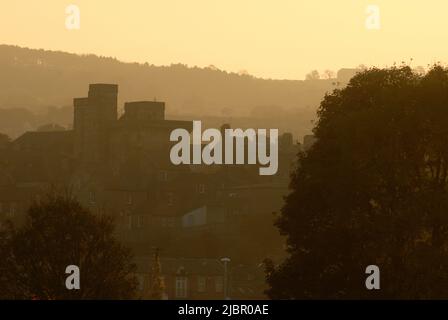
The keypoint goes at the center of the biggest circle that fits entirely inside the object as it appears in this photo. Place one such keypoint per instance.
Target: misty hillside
(33, 80)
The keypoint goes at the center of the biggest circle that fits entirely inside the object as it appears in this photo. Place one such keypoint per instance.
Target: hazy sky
(268, 38)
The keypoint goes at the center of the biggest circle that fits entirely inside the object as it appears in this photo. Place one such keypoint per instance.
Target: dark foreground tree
(59, 232)
(371, 191)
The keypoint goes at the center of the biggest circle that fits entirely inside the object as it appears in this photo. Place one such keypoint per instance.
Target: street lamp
(226, 279)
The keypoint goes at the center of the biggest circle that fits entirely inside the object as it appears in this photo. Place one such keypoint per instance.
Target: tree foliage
(313, 75)
(59, 232)
(372, 190)
(157, 284)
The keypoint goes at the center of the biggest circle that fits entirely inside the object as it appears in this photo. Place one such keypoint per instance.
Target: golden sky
(281, 39)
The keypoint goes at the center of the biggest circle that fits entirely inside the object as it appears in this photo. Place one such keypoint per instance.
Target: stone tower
(93, 117)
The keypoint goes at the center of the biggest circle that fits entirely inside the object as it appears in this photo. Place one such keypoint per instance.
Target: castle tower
(103, 97)
(92, 119)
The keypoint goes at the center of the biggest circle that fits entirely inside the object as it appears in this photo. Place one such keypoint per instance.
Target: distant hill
(36, 79)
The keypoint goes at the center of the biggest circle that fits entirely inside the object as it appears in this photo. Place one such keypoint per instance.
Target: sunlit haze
(270, 39)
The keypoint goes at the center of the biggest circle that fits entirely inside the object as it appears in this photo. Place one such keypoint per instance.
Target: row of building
(120, 166)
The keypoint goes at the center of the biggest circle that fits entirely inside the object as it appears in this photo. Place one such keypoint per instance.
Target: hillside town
(194, 215)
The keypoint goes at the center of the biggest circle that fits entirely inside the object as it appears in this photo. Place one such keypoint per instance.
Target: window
(92, 197)
(166, 222)
(12, 210)
(219, 285)
(201, 188)
(170, 222)
(116, 171)
(140, 221)
(170, 199)
(202, 284)
(181, 287)
(164, 175)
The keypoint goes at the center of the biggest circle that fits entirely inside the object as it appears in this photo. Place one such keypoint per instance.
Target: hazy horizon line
(172, 63)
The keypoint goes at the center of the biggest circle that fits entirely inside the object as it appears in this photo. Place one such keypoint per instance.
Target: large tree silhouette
(60, 232)
(372, 190)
